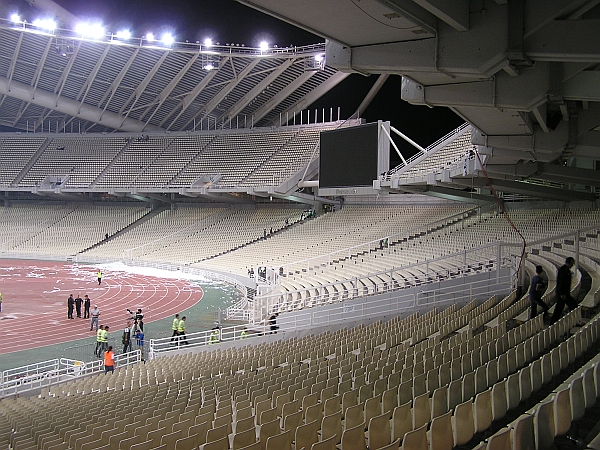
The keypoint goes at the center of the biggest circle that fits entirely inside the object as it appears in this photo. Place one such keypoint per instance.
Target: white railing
(402, 301)
(457, 265)
(46, 373)
(206, 338)
(343, 312)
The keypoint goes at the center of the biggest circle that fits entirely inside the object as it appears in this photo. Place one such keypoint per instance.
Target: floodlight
(264, 45)
(208, 42)
(45, 24)
(15, 18)
(209, 66)
(167, 39)
(90, 30)
(150, 37)
(319, 57)
(124, 34)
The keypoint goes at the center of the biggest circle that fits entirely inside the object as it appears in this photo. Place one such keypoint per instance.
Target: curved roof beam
(64, 105)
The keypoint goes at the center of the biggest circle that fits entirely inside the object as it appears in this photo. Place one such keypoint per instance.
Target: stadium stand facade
(449, 367)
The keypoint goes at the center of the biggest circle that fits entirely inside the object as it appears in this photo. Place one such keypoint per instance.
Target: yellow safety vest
(175, 325)
(214, 338)
(99, 335)
(104, 336)
(243, 334)
(181, 326)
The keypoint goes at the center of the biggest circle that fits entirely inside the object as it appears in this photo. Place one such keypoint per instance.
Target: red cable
(500, 204)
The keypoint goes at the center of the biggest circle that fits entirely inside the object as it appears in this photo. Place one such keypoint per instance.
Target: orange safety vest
(108, 358)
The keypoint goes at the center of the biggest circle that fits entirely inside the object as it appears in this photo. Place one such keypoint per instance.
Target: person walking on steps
(537, 289)
(563, 289)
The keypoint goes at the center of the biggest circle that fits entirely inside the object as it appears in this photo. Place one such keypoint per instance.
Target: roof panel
(137, 82)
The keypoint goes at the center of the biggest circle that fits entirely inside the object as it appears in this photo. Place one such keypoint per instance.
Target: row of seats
(384, 379)
(154, 161)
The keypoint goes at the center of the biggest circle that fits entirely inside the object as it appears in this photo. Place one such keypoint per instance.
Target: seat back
(281, 441)
(379, 431)
(463, 425)
(441, 437)
(354, 438)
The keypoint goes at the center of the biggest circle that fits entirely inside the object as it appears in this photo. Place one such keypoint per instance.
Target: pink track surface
(34, 308)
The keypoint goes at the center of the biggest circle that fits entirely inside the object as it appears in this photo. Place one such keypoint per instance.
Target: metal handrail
(46, 373)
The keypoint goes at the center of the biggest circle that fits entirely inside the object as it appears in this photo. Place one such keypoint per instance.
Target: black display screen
(349, 157)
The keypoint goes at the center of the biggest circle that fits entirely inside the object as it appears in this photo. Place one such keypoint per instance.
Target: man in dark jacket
(78, 303)
(70, 306)
(563, 289)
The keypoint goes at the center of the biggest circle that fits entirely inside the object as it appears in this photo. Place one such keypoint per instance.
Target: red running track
(34, 308)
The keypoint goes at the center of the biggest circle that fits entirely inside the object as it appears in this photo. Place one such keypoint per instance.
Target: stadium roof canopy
(525, 73)
(58, 81)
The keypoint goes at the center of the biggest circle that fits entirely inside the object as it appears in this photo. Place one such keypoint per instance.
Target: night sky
(226, 21)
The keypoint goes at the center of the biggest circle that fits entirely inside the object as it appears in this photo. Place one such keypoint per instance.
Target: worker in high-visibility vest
(105, 338)
(181, 331)
(99, 336)
(99, 275)
(214, 337)
(243, 334)
(175, 327)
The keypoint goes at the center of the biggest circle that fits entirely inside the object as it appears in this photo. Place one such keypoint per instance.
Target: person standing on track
(86, 307)
(99, 275)
(78, 303)
(70, 305)
(175, 327)
(95, 315)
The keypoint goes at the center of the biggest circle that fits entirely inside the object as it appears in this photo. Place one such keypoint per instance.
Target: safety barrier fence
(343, 312)
(209, 337)
(463, 264)
(46, 373)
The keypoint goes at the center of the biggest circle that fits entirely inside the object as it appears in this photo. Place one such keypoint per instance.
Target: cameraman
(137, 318)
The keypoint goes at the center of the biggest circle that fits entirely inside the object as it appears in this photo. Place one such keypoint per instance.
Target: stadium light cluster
(96, 31)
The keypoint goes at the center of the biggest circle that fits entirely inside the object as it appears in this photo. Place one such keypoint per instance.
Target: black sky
(226, 21)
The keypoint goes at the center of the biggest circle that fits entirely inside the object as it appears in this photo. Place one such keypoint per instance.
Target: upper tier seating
(241, 158)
